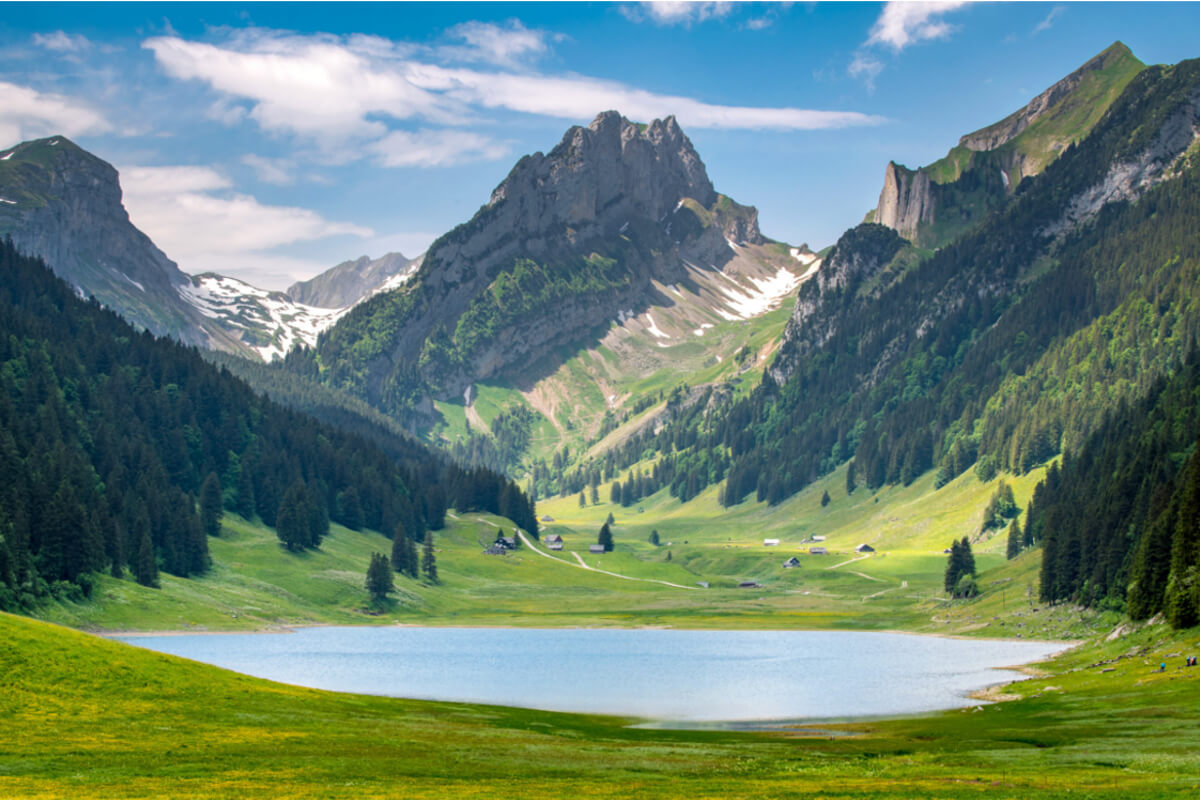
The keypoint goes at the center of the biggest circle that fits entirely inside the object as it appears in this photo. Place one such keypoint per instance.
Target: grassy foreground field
(87, 717)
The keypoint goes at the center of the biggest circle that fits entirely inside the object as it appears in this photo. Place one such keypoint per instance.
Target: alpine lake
(667, 677)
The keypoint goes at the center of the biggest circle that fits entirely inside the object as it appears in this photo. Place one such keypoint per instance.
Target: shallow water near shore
(663, 675)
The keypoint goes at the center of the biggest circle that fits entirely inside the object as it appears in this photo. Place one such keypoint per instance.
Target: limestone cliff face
(634, 195)
(906, 200)
(63, 204)
(981, 174)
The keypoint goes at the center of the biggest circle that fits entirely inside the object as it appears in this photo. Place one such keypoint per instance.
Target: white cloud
(62, 42)
(347, 95)
(29, 114)
(276, 171)
(902, 23)
(675, 12)
(1048, 22)
(307, 86)
(899, 25)
(866, 67)
(581, 98)
(495, 44)
(190, 213)
(436, 148)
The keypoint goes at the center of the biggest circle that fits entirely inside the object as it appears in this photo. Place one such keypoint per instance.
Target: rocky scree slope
(617, 219)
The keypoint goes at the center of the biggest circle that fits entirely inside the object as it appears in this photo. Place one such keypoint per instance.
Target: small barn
(748, 585)
(816, 538)
(770, 543)
(555, 545)
(547, 518)
(818, 551)
(791, 562)
(552, 538)
(598, 549)
(496, 550)
(864, 548)
(507, 542)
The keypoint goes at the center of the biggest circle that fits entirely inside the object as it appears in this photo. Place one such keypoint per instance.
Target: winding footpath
(583, 565)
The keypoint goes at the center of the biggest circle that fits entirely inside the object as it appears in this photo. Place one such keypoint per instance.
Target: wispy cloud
(275, 171)
(1048, 22)
(62, 42)
(675, 12)
(436, 148)
(504, 45)
(194, 216)
(352, 96)
(26, 113)
(900, 25)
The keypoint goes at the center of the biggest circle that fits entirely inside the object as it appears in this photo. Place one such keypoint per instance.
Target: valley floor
(88, 717)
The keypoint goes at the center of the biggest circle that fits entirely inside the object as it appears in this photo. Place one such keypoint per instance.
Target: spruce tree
(379, 578)
(211, 508)
(414, 564)
(824, 499)
(145, 570)
(654, 537)
(605, 538)
(428, 560)
(1015, 538)
(400, 549)
(595, 495)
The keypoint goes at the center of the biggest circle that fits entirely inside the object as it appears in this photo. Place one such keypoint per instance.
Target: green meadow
(89, 717)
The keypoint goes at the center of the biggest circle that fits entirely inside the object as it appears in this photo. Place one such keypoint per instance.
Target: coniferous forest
(107, 436)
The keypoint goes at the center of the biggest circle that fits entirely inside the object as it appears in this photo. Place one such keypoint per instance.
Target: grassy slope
(255, 584)
(87, 717)
(580, 386)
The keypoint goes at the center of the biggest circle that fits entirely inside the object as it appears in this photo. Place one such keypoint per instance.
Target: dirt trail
(583, 565)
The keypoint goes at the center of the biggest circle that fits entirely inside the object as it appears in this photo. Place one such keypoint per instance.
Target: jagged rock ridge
(577, 238)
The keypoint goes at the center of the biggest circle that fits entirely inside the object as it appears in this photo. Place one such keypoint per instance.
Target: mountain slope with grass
(933, 205)
(617, 233)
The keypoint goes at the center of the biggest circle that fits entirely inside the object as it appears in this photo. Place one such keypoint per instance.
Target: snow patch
(675, 288)
(623, 228)
(654, 329)
(52, 144)
(803, 258)
(264, 315)
(131, 280)
(732, 245)
(1004, 177)
(10, 202)
(7, 155)
(765, 295)
(700, 331)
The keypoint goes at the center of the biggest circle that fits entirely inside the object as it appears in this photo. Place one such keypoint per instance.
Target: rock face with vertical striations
(569, 242)
(932, 205)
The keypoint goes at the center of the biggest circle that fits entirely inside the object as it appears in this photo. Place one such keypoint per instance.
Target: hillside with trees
(109, 436)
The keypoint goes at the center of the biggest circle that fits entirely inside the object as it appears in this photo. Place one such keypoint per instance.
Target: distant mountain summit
(618, 219)
(350, 281)
(63, 204)
(933, 204)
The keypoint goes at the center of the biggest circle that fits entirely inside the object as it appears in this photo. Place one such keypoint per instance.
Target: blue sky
(271, 141)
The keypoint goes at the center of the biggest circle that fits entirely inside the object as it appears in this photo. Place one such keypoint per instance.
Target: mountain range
(608, 311)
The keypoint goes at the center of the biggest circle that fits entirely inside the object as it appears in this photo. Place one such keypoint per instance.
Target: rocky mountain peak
(611, 169)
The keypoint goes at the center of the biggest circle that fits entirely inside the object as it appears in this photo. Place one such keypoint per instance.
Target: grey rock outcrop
(906, 200)
(63, 204)
(350, 281)
(636, 193)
